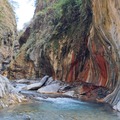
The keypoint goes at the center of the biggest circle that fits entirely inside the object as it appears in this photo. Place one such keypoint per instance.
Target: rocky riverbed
(53, 99)
(48, 87)
(19, 91)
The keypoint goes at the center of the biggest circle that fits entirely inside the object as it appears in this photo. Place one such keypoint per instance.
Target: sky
(24, 12)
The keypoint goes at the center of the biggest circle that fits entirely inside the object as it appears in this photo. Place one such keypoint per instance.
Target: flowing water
(59, 109)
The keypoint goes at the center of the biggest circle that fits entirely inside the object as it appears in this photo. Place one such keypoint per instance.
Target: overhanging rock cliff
(104, 45)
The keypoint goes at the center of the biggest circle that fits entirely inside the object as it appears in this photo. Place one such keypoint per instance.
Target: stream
(47, 107)
(59, 109)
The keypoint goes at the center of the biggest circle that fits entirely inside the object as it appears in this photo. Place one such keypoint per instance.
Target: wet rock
(69, 93)
(23, 81)
(36, 86)
(89, 92)
(117, 107)
(19, 87)
(27, 117)
(65, 87)
(49, 81)
(52, 88)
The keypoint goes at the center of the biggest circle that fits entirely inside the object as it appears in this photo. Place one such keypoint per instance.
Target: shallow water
(58, 109)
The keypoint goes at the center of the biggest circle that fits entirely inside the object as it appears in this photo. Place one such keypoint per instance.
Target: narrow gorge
(76, 42)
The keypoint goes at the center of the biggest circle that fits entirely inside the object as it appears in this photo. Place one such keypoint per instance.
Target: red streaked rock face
(104, 46)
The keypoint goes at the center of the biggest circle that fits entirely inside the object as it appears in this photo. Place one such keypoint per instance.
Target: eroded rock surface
(8, 34)
(8, 94)
(37, 85)
(45, 86)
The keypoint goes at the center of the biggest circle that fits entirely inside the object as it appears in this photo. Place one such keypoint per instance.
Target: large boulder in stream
(52, 88)
(37, 85)
(8, 94)
(47, 85)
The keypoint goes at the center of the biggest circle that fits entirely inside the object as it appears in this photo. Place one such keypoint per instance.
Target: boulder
(33, 86)
(36, 86)
(65, 87)
(52, 88)
(69, 93)
(117, 107)
(23, 81)
(49, 81)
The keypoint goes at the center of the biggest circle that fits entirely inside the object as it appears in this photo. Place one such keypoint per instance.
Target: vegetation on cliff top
(63, 14)
(53, 23)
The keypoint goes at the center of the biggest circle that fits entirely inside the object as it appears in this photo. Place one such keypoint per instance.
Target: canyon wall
(73, 41)
(105, 46)
(55, 43)
(8, 94)
(7, 34)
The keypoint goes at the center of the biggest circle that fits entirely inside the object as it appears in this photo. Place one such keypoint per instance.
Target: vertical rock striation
(73, 41)
(8, 94)
(105, 46)
(7, 34)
